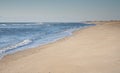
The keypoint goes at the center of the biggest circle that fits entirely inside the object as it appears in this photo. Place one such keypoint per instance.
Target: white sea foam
(24, 42)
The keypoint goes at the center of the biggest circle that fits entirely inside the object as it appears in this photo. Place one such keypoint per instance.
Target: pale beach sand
(92, 50)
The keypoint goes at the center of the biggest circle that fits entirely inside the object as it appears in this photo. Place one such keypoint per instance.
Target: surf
(20, 36)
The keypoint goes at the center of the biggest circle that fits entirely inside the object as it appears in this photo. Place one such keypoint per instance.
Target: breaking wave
(20, 44)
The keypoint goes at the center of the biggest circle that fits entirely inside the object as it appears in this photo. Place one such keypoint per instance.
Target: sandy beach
(94, 49)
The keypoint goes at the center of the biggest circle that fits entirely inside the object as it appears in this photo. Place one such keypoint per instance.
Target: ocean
(19, 36)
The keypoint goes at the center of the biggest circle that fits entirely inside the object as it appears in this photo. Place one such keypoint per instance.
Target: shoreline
(35, 49)
(27, 46)
(91, 50)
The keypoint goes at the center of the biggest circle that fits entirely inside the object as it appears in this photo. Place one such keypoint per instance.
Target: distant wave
(37, 23)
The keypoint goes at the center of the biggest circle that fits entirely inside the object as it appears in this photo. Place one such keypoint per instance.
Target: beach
(95, 49)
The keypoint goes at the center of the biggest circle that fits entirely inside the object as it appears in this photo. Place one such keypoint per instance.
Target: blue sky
(59, 10)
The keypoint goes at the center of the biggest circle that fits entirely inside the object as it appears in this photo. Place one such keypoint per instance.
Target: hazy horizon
(58, 10)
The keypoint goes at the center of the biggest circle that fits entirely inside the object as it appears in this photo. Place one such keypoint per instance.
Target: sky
(58, 10)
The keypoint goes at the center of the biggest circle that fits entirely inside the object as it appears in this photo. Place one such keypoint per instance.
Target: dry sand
(92, 50)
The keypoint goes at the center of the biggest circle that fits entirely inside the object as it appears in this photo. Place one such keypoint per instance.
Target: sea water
(20, 36)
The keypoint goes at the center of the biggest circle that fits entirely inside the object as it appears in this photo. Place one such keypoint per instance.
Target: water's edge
(29, 42)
